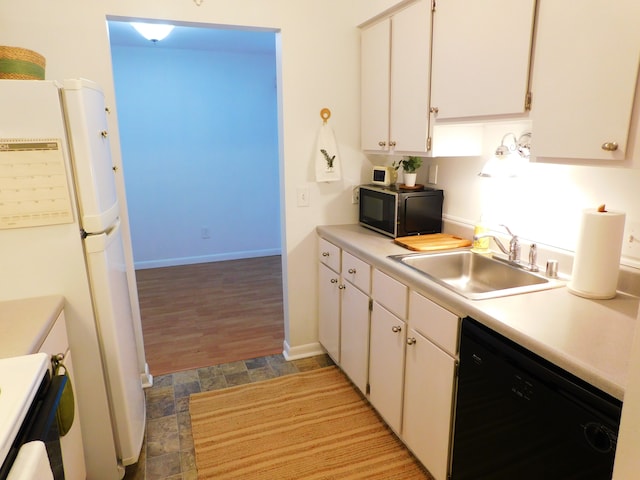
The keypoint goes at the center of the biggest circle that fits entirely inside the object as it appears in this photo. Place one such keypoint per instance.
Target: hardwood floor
(206, 314)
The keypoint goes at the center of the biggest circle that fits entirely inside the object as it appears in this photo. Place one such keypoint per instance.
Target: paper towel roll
(597, 260)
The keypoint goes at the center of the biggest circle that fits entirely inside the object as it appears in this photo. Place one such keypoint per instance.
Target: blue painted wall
(199, 145)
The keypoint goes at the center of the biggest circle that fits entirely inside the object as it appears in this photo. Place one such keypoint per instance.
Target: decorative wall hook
(325, 114)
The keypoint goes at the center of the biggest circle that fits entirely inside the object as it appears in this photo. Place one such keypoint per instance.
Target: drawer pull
(411, 341)
(334, 280)
(610, 146)
(341, 287)
(352, 271)
(396, 329)
(325, 254)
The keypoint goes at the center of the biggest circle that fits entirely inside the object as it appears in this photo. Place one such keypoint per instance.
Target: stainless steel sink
(476, 276)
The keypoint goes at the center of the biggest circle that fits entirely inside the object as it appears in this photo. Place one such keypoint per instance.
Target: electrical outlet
(303, 196)
(631, 241)
(355, 195)
(205, 233)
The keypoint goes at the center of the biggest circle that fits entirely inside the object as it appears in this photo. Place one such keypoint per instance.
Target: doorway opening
(198, 121)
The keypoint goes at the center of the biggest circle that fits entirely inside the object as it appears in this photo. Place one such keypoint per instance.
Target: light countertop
(25, 323)
(588, 338)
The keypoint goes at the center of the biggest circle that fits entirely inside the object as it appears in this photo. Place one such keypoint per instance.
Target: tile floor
(167, 452)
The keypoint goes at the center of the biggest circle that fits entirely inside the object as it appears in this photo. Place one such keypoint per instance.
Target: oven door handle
(46, 415)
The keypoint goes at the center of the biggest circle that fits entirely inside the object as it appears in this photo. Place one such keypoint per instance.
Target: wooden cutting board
(434, 241)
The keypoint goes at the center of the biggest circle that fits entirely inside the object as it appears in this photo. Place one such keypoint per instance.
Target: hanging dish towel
(66, 408)
(326, 157)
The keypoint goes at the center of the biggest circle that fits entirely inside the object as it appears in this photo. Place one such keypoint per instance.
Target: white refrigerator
(60, 233)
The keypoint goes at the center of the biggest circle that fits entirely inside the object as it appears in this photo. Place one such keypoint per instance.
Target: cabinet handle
(610, 146)
(382, 144)
(104, 134)
(342, 286)
(352, 271)
(396, 329)
(392, 144)
(434, 109)
(325, 254)
(411, 341)
(334, 280)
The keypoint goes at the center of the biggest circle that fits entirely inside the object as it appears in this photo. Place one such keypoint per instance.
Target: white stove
(20, 378)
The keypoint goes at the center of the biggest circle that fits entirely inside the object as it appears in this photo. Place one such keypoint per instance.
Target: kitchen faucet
(514, 244)
(513, 252)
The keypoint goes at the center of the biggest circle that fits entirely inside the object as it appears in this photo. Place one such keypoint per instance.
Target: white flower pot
(410, 179)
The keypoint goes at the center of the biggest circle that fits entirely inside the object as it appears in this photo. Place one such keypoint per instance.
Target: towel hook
(325, 114)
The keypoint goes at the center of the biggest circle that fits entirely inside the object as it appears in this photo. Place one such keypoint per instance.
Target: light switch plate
(303, 196)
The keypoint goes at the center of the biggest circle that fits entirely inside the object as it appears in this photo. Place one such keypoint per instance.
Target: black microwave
(396, 212)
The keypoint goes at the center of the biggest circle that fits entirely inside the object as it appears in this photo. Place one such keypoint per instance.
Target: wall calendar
(34, 190)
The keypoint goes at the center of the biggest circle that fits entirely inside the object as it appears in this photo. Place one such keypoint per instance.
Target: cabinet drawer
(390, 293)
(329, 254)
(356, 271)
(434, 322)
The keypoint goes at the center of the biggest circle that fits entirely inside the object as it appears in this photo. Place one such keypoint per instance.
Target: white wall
(544, 205)
(319, 68)
(199, 145)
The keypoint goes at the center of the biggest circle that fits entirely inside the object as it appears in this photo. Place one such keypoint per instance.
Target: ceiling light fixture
(508, 159)
(153, 31)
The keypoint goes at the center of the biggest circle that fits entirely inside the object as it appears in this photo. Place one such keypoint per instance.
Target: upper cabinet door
(481, 57)
(584, 78)
(375, 64)
(395, 81)
(410, 75)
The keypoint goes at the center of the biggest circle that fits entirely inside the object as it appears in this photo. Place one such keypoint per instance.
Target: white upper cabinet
(410, 75)
(395, 72)
(585, 71)
(481, 57)
(375, 64)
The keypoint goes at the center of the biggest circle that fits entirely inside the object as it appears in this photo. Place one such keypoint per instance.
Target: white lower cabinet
(56, 343)
(428, 400)
(386, 365)
(354, 335)
(398, 347)
(343, 311)
(430, 382)
(329, 311)
(412, 369)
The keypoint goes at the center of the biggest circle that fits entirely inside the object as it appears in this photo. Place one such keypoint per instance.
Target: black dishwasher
(520, 417)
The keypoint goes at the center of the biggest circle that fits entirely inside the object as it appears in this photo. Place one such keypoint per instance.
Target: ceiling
(190, 37)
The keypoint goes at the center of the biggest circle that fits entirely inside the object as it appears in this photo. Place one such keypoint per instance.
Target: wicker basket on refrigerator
(21, 64)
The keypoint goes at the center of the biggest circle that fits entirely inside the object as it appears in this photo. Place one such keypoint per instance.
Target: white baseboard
(302, 351)
(172, 262)
(146, 378)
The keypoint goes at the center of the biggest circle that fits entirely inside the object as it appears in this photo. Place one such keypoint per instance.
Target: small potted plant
(409, 166)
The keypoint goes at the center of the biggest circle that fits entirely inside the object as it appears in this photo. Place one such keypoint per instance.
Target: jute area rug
(311, 425)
